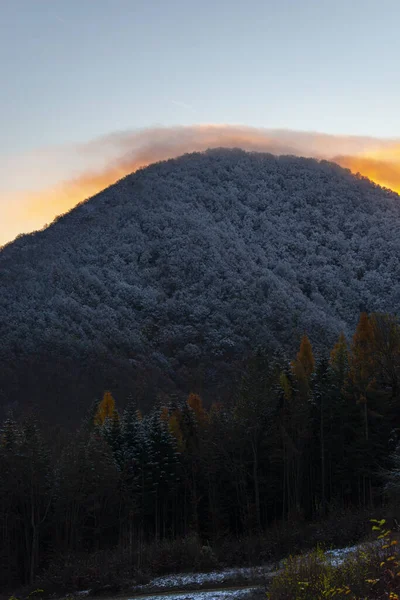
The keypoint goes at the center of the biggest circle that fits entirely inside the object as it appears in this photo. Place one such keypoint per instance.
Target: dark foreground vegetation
(304, 453)
(372, 571)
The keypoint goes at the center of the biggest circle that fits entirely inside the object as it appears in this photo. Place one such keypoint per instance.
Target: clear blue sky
(71, 70)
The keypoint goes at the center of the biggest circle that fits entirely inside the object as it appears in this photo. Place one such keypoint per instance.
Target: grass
(371, 572)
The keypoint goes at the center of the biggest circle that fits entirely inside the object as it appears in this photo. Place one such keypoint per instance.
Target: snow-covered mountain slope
(195, 259)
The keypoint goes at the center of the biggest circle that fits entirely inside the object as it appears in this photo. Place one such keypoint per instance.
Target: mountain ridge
(194, 261)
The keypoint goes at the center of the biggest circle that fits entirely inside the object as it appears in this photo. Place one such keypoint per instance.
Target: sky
(75, 73)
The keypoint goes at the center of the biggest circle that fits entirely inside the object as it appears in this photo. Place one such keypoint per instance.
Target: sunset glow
(25, 211)
(382, 167)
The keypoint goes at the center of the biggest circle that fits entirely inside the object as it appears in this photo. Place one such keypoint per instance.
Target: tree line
(296, 440)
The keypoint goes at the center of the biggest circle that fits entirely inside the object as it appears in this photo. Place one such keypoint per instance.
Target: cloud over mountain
(35, 188)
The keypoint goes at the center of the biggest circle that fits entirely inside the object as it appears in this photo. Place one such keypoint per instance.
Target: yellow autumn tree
(106, 409)
(196, 404)
(285, 385)
(164, 414)
(304, 364)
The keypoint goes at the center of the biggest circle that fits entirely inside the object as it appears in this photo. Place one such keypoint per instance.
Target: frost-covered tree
(185, 266)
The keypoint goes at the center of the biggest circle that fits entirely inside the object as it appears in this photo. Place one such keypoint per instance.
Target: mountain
(165, 279)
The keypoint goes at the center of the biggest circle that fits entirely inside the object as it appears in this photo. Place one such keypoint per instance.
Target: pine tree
(9, 434)
(362, 374)
(392, 485)
(100, 481)
(36, 489)
(341, 423)
(88, 423)
(111, 431)
(296, 429)
(174, 425)
(361, 358)
(385, 331)
(164, 470)
(255, 406)
(362, 387)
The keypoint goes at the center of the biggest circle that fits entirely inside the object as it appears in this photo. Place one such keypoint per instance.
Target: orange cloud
(122, 153)
(382, 167)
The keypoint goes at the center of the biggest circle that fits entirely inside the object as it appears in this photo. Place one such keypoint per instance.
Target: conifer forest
(297, 440)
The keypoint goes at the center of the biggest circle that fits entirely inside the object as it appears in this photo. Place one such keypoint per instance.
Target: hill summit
(166, 277)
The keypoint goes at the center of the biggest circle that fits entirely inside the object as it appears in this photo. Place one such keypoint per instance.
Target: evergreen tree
(111, 431)
(9, 434)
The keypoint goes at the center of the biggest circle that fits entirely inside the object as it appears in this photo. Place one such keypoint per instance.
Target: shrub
(372, 571)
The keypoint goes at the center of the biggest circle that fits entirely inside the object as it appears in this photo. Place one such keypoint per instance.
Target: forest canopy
(165, 279)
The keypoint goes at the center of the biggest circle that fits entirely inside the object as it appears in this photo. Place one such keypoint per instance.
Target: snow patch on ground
(340, 554)
(234, 575)
(205, 595)
(193, 583)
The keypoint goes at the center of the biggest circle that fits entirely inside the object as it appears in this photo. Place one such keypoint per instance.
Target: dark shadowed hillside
(165, 279)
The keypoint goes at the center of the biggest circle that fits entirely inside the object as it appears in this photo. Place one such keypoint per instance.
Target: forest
(296, 442)
(172, 275)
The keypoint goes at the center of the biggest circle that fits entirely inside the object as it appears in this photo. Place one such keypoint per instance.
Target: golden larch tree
(285, 385)
(164, 414)
(105, 410)
(196, 404)
(304, 365)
